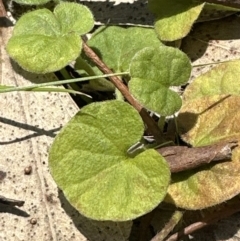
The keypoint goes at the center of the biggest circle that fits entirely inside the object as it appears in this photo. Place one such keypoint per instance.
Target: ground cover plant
(120, 163)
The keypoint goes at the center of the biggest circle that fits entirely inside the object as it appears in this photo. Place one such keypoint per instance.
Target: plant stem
(169, 226)
(151, 124)
(3, 12)
(210, 219)
(4, 89)
(182, 158)
(227, 3)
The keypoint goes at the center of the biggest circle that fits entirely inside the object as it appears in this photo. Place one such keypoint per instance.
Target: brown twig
(151, 124)
(3, 12)
(181, 158)
(210, 219)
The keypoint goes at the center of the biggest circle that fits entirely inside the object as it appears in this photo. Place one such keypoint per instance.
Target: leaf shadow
(33, 78)
(37, 131)
(225, 229)
(5, 22)
(189, 119)
(196, 43)
(92, 229)
(13, 210)
(111, 13)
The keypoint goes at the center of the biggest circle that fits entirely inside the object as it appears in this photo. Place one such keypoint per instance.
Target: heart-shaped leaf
(153, 71)
(116, 45)
(220, 80)
(206, 121)
(44, 42)
(174, 19)
(90, 163)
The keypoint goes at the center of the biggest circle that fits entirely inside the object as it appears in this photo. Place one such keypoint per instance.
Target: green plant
(105, 177)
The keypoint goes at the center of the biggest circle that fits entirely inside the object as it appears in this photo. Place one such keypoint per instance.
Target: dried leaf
(206, 121)
(222, 79)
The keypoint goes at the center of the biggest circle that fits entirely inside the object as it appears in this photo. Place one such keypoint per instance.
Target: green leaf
(32, 2)
(116, 45)
(219, 80)
(201, 122)
(85, 69)
(153, 71)
(44, 42)
(174, 19)
(90, 163)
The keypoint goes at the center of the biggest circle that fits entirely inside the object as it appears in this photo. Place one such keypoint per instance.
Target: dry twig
(3, 12)
(151, 124)
(181, 158)
(210, 219)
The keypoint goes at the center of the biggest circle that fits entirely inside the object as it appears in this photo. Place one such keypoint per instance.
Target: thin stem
(169, 226)
(227, 3)
(210, 219)
(151, 124)
(177, 130)
(59, 82)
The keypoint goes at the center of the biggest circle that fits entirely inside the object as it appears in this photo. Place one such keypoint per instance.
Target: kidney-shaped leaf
(201, 122)
(44, 42)
(222, 79)
(174, 19)
(153, 71)
(89, 162)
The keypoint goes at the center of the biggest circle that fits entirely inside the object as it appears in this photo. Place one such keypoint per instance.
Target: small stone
(33, 221)
(28, 170)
